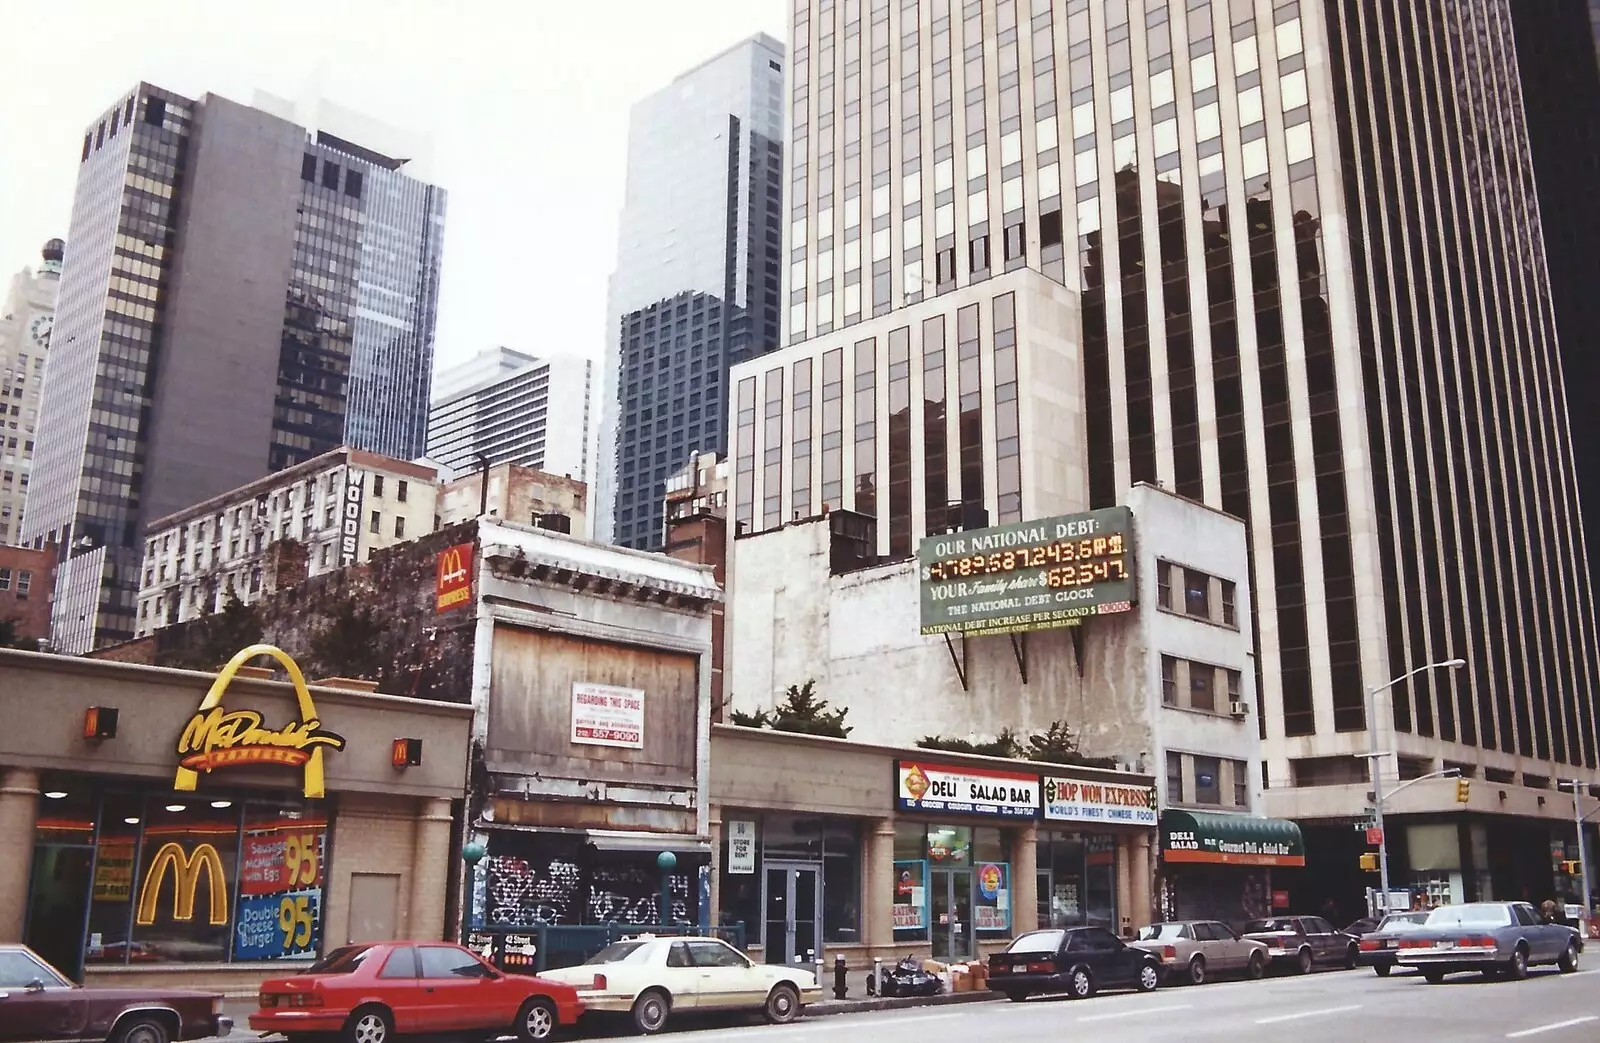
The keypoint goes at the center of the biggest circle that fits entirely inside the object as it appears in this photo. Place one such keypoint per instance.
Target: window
(376, 525)
(1196, 594)
(1174, 778)
(399, 527)
(24, 583)
(17, 969)
(1241, 784)
(352, 184)
(400, 489)
(1227, 603)
(402, 963)
(1014, 242)
(440, 961)
(678, 955)
(5, 579)
(1163, 584)
(330, 179)
(1233, 689)
(308, 172)
(1207, 780)
(155, 111)
(715, 954)
(1169, 681)
(1201, 694)
(377, 485)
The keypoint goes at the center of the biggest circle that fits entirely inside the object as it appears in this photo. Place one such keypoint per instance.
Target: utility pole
(1583, 861)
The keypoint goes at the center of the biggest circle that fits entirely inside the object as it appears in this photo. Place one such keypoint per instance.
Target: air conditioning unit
(1238, 708)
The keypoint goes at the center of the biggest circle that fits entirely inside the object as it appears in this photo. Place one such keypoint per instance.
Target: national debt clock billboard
(1036, 575)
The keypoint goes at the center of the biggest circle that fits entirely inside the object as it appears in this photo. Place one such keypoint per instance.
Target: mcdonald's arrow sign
(453, 585)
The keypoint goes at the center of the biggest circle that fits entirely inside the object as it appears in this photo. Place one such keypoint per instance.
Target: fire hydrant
(840, 986)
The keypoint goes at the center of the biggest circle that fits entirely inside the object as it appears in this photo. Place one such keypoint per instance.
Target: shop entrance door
(793, 913)
(58, 905)
(952, 914)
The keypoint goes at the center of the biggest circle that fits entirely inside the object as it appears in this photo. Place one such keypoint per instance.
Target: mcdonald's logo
(185, 882)
(215, 738)
(453, 585)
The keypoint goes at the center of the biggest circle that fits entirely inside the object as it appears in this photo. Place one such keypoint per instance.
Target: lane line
(1553, 1026)
(1136, 1012)
(1306, 1014)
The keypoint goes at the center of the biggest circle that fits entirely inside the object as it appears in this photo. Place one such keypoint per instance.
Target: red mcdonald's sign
(453, 585)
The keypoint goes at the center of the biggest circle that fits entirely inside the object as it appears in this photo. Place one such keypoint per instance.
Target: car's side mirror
(36, 985)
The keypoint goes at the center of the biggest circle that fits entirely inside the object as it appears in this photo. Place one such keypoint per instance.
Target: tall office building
(1307, 278)
(27, 315)
(509, 407)
(697, 279)
(238, 295)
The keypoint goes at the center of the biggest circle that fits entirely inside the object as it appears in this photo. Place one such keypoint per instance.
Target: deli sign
(923, 786)
(1080, 800)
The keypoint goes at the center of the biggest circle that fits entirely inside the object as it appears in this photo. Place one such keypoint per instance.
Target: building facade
(297, 271)
(27, 583)
(519, 494)
(1301, 323)
(26, 320)
(696, 285)
(327, 513)
(696, 511)
(513, 408)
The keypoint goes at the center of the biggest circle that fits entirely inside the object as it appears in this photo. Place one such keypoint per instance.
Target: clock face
(40, 330)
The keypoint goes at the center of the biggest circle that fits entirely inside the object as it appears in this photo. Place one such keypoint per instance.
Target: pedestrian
(1547, 910)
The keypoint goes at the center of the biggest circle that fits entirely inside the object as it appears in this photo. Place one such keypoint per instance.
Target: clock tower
(27, 317)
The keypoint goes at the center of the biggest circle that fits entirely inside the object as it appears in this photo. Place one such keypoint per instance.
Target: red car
(373, 993)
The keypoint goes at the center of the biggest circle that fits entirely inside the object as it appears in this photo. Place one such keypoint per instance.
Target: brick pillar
(1024, 879)
(19, 811)
(715, 830)
(1142, 873)
(1124, 885)
(877, 885)
(430, 871)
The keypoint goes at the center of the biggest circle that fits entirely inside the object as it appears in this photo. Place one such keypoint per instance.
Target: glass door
(952, 914)
(792, 913)
(59, 905)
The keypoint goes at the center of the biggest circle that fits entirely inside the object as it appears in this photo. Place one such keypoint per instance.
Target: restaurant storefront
(826, 846)
(1219, 867)
(214, 830)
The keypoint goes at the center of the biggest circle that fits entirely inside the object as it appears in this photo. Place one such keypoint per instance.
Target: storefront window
(111, 897)
(788, 855)
(186, 864)
(281, 881)
(841, 883)
(740, 886)
(1080, 871)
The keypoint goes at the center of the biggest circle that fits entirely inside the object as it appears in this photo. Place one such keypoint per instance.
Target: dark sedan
(1079, 961)
(1379, 944)
(1497, 939)
(1303, 942)
(38, 1002)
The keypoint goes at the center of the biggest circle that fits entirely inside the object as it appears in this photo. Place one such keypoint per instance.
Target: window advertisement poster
(991, 899)
(911, 895)
(741, 847)
(281, 876)
(605, 715)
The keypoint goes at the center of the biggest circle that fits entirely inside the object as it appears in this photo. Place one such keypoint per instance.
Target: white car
(650, 977)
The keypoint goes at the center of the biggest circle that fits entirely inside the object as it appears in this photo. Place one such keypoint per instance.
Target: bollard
(841, 988)
(875, 982)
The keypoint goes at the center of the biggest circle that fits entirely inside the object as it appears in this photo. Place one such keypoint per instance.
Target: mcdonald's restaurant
(219, 829)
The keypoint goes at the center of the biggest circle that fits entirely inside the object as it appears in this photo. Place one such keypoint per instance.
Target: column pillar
(1143, 881)
(1024, 879)
(877, 906)
(1124, 885)
(430, 870)
(19, 813)
(714, 830)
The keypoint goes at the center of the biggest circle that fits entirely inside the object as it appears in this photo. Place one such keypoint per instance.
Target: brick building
(27, 578)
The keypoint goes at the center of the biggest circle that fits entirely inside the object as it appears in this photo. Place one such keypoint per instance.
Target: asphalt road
(1327, 1007)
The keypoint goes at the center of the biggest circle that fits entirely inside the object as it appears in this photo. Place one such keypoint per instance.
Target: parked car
(1378, 945)
(1079, 961)
(1497, 939)
(650, 978)
(373, 993)
(39, 1002)
(1303, 942)
(1195, 950)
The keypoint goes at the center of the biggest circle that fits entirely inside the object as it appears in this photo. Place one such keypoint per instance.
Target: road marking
(1552, 1026)
(1306, 1014)
(1137, 1012)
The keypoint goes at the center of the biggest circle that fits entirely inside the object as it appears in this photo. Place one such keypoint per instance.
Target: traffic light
(1369, 862)
(1571, 866)
(1463, 790)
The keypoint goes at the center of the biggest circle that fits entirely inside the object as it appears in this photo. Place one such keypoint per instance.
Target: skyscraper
(27, 315)
(697, 279)
(509, 407)
(1310, 288)
(238, 296)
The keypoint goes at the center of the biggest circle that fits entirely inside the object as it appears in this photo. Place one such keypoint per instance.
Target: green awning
(1239, 840)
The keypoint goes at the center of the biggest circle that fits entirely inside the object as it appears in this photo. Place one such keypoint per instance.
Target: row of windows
(1200, 686)
(1196, 779)
(23, 579)
(1196, 594)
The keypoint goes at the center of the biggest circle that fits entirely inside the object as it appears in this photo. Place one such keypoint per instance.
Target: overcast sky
(526, 102)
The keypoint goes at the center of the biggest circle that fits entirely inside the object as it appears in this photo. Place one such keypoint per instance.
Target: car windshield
(1038, 941)
(622, 952)
(1161, 932)
(342, 960)
(1470, 916)
(1265, 926)
(1401, 921)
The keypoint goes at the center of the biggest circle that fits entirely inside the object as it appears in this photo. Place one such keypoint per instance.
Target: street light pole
(1375, 760)
(1583, 861)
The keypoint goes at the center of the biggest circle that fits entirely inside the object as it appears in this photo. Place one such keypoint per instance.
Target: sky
(526, 103)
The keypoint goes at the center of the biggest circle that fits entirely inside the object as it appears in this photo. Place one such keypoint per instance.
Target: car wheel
(1197, 971)
(1080, 986)
(1433, 976)
(1382, 970)
(143, 1030)
(783, 1005)
(1150, 976)
(536, 1020)
(650, 1012)
(369, 1025)
(1350, 955)
(1569, 958)
(1519, 964)
(1257, 967)
(1302, 962)
(1016, 995)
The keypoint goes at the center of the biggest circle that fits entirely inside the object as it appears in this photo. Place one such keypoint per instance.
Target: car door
(1320, 934)
(1113, 963)
(36, 1002)
(1214, 939)
(456, 992)
(400, 987)
(681, 977)
(725, 976)
(1545, 941)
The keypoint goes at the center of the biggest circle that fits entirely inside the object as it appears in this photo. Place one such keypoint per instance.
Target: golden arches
(185, 881)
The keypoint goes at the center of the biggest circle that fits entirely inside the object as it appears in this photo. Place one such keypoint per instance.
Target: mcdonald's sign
(185, 882)
(453, 584)
(215, 738)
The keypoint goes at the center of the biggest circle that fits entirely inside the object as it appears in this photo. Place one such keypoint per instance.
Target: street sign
(1374, 835)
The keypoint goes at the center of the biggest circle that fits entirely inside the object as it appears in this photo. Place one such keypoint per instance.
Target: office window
(330, 174)
(1163, 584)
(1233, 689)
(5, 579)
(1241, 783)
(1207, 780)
(1196, 594)
(400, 490)
(352, 184)
(308, 168)
(376, 525)
(1228, 593)
(1202, 696)
(377, 485)
(1169, 681)
(1174, 778)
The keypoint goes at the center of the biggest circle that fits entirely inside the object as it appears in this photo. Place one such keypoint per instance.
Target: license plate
(1002, 970)
(1388, 945)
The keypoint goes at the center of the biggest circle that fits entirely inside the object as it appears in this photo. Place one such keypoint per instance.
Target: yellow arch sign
(216, 738)
(185, 881)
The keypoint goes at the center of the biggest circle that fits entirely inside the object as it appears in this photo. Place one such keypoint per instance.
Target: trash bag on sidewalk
(907, 978)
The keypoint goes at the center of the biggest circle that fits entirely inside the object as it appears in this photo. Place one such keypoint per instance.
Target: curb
(826, 1008)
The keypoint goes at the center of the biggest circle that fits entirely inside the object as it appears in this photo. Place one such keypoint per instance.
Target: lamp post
(1583, 861)
(666, 862)
(472, 853)
(1375, 756)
